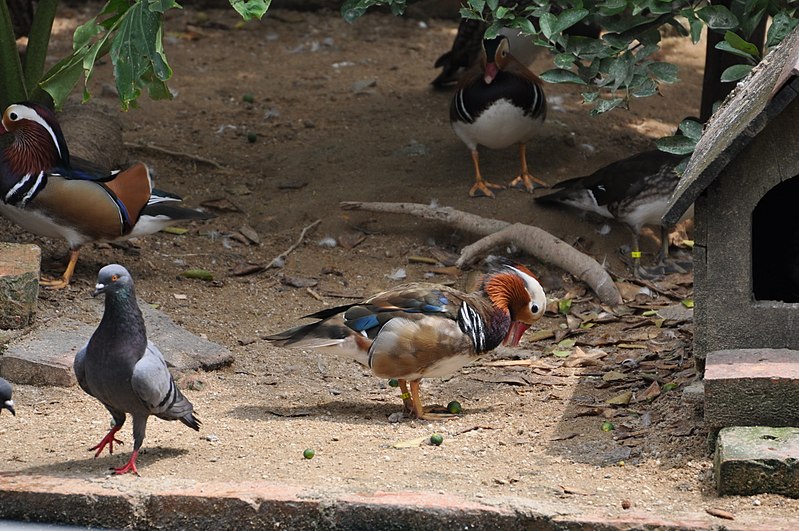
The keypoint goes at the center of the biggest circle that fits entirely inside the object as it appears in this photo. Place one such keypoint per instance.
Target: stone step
(756, 460)
(752, 387)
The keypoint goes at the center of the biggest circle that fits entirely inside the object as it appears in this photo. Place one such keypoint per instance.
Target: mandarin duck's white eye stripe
(26, 113)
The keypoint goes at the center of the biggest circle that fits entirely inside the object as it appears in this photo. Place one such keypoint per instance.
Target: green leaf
(560, 75)
(608, 8)
(589, 97)
(647, 88)
(606, 105)
(735, 72)
(688, 303)
(692, 129)
(676, 145)
(569, 18)
(718, 17)
(547, 22)
(564, 305)
(137, 53)
(781, 25)
(564, 60)
(740, 45)
(665, 72)
(251, 9)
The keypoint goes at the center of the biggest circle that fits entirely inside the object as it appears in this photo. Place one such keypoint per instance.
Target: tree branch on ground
(533, 240)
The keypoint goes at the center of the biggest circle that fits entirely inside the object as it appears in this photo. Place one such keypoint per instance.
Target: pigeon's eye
(114, 278)
(13, 115)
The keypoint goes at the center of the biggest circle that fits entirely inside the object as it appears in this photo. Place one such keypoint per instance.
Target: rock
(756, 459)
(19, 284)
(45, 355)
(752, 387)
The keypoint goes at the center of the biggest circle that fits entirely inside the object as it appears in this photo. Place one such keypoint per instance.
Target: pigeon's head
(112, 279)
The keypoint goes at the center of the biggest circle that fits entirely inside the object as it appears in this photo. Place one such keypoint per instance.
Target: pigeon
(5, 397)
(124, 371)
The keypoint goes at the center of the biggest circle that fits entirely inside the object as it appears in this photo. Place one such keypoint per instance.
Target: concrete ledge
(751, 387)
(139, 503)
(757, 459)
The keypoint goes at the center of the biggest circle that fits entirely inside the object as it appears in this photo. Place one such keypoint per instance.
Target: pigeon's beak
(98, 289)
(9, 405)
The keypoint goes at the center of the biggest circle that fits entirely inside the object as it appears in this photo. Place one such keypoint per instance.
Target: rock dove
(124, 371)
(5, 397)
(49, 193)
(421, 330)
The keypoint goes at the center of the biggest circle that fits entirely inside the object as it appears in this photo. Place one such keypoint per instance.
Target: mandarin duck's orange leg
(406, 397)
(481, 186)
(525, 178)
(63, 282)
(419, 411)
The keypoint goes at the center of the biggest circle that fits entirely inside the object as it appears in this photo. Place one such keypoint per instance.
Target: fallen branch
(279, 259)
(533, 240)
(183, 154)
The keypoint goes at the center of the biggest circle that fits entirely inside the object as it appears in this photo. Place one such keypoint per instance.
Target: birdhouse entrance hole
(775, 244)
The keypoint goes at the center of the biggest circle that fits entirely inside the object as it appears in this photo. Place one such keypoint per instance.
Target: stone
(45, 355)
(757, 459)
(752, 387)
(19, 284)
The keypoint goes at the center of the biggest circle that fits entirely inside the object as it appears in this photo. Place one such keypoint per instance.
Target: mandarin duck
(124, 371)
(422, 330)
(5, 396)
(634, 191)
(498, 103)
(465, 50)
(49, 194)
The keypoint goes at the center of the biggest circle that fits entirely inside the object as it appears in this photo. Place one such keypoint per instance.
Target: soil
(345, 113)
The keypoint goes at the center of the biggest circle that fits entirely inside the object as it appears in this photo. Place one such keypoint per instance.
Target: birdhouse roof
(770, 87)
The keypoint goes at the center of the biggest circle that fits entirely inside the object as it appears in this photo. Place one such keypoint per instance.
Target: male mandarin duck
(498, 103)
(421, 330)
(49, 194)
(634, 191)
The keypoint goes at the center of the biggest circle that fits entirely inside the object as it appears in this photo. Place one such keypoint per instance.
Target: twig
(276, 261)
(183, 154)
(535, 241)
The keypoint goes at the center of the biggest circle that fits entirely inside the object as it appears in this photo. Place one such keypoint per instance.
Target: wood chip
(720, 513)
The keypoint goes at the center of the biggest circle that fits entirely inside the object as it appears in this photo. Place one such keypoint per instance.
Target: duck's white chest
(499, 126)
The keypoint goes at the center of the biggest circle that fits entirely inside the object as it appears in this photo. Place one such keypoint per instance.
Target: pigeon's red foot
(130, 466)
(109, 440)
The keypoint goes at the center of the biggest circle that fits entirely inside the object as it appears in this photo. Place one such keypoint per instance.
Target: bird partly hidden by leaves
(5, 396)
(422, 330)
(498, 103)
(48, 193)
(124, 371)
(634, 191)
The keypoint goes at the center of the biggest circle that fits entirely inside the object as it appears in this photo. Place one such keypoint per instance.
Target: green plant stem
(12, 83)
(38, 42)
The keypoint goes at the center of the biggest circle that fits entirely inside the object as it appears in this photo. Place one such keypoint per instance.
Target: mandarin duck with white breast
(49, 194)
(422, 330)
(498, 103)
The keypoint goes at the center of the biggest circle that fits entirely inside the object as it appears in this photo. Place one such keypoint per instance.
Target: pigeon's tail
(191, 421)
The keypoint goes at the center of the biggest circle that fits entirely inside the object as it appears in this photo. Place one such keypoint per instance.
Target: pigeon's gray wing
(155, 387)
(80, 371)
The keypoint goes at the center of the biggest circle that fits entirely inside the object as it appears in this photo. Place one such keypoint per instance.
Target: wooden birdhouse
(743, 180)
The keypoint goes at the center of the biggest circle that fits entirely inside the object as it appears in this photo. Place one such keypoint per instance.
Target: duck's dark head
(38, 143)
(497, 55)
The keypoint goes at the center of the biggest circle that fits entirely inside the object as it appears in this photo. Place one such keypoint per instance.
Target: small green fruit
(608, 426)
(248, 98)
(252, 137)
(436, 439)
(309, 453)
(393, 382)
(454, 407)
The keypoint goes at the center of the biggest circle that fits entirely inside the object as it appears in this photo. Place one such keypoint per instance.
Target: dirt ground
(345, 112)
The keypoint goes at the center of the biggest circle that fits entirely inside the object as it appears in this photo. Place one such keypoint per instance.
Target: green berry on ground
(309, 453)
(454, 407)
(436, 439)
(248, 98)
(252, 137)
(393, 382)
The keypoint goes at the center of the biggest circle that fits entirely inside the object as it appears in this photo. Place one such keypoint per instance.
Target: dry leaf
(651, 392)
(221, 204)
(613, 376)
(720, 513)
(351, 239)
(620, 400)
(411, 443)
